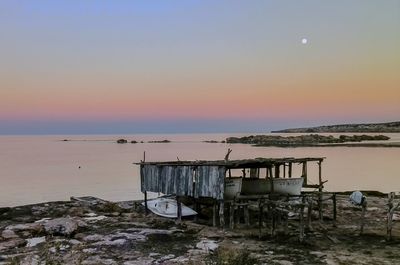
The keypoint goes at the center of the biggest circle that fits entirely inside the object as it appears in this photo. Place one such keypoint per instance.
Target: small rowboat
(167, 207)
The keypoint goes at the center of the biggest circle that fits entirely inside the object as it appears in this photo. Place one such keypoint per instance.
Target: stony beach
(101, 232)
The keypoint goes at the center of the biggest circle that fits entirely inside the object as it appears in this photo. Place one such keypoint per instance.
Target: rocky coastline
(94, 231)
(312, 140)
(387, 127)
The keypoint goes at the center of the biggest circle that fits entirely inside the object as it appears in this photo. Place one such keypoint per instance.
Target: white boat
(249, 186)
(167, 207)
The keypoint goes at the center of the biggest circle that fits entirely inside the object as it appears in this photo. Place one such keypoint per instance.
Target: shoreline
(95, 231)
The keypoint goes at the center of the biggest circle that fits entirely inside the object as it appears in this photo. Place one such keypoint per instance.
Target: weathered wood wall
(199, 181)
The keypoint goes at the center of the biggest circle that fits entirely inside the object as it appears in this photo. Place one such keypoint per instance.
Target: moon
(304, 41)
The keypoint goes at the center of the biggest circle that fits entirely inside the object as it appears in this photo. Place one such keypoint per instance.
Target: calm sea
(44, 168)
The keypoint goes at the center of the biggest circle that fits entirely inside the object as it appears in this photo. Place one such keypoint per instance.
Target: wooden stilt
(179, 209)
(309, 213)
(364, 209)
(301, 228)
(304, 173)
(197, 209)
(334, 209)
(290, 170)
(260, 217)
(246, 215)
(146, 209)
(277, 173)
(221, 214)
(391, 208)
(232, 215)
(214, 214)
(284, 170)
(320, 197)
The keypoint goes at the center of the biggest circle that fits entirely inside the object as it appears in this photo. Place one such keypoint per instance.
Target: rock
(122, 141)
(12, 243)
(97, 260)
(140, 261)
(207, 245)
(283, 262)
(63, 226)
(30, 260)
(7, 234)
(168, 257)
(74, 242)
(31, 227)
(116, 242)
(318, 254)
(93, 219)
(31, 242)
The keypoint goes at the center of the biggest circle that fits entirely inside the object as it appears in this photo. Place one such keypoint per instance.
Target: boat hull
(248, 186)
(167, 207)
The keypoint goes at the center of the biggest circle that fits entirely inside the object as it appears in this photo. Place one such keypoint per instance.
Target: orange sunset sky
(191, 66)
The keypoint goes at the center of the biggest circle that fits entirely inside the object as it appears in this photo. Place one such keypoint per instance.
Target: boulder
(63, 226)
(12, 243)
(122, 141)
(7, 234)
(35, 228)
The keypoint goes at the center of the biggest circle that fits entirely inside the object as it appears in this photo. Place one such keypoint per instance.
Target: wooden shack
(206, 179)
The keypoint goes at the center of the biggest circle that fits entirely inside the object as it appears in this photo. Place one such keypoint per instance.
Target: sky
(76, 67)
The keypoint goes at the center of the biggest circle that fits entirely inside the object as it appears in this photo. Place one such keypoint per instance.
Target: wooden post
(146, 209)
(364, 209)
(179, 209)
(391, 208)
(197, 209)
(232, 215)
(304, 173)
(334, 208)
(290, 170)
(301, 228)
(246, 215)
(320, 195)
(277, 173)
(284, 170)
(309, 213)
(221, 214)
(214, 213)
(273, 225)
(260, 216)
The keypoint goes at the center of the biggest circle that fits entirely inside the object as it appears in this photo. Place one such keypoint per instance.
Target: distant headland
(387, 127)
